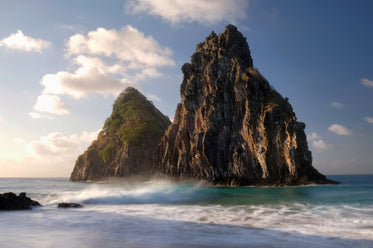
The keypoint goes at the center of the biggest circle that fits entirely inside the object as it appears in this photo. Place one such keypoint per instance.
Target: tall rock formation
(232, 128)
(126, 146)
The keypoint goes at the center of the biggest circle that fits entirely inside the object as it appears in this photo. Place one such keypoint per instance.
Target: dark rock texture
(126, 146)
(69, 205)
(232, 128)
(10, 201)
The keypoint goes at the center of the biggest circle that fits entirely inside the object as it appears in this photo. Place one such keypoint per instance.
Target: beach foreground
(161, 214)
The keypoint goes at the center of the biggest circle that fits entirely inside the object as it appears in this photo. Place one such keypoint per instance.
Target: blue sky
(62, 63)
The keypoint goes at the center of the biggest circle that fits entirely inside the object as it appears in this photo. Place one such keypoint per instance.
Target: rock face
(10, 201)
(232, 128)
(126, 146)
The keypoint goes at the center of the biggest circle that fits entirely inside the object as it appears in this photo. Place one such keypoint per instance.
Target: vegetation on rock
(126, 145)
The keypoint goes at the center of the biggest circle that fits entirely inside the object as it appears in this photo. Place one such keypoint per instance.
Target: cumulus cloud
(19, 41)
(128, 45)
(59, 145)
(336, 104)
(368, 119)
(339, 129)
(202, 11)
(318, 143)
(92, 76)
(50, 104)
(367, 83)
(103, 62)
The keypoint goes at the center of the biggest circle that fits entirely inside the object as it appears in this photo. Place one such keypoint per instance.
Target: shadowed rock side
(126, 146)
(232, 128)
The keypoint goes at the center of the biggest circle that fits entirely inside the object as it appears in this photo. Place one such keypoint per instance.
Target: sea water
(165, 214)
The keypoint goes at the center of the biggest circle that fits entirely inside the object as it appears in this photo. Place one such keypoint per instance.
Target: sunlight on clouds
(59, 146)
(339, 129)
(202, 11)
(104, 62)
(366, 82)
(50, 155)
(92, 77)
(50, 104)
(127, 45)
(21, 42)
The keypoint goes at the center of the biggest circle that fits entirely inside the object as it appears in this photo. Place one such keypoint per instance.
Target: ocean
(165, 214)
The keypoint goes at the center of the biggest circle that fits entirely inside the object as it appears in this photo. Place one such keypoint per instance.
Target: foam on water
(119, 194)
(189, 203)
(163, 214)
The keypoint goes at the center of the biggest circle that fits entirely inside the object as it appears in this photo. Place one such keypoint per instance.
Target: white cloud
(21, 42)
(366, 82)
(104, 62)
(127, 45)
(153, 97)
(60, 146)
(368, 119)
(339, 129)
(336, 104)
(50, 104)
(202, 11)
(318, 143)
(314, 136)
(93, 76)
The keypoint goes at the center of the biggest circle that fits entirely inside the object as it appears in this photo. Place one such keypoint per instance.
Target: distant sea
(163, 214)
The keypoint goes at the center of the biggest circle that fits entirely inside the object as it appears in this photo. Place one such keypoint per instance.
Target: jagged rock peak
(126, 146)
(232, 127)
(231, 44)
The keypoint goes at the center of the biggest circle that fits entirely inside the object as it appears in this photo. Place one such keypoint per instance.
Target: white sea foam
(162, 214)
(168, 202)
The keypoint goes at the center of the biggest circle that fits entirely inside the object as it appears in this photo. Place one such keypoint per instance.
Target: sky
(63, 63)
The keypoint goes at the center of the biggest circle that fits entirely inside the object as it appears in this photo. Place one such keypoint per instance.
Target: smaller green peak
(129, 94)
(131, 90)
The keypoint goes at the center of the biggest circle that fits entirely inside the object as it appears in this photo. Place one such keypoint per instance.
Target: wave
(132, 193)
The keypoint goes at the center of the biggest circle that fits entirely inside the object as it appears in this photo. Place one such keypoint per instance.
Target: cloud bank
(19, 41)
(178, 11)
(104, 62)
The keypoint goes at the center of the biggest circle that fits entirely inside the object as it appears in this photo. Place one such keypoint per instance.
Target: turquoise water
(164, 214)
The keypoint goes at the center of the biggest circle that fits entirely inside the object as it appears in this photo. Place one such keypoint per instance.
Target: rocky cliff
(126, 146)
(232, 128)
